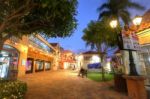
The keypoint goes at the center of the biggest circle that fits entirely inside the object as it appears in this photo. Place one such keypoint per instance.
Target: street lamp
(136, 21)
(113, 23)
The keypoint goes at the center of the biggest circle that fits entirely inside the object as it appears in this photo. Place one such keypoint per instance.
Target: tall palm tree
(100, 36)
(118, 9)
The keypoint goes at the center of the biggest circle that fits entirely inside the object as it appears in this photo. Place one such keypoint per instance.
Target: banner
(130, 40)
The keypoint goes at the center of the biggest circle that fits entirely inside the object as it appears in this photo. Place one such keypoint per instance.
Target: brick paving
(67, 85)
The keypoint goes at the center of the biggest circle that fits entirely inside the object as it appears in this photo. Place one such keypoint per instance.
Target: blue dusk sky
(87, 11)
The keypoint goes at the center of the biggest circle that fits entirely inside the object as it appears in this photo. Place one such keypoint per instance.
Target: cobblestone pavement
(66, 85)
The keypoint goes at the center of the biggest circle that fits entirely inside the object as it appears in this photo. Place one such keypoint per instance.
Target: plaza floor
(67, 85)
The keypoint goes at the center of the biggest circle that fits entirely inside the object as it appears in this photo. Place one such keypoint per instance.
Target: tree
(118, 9)
(101, 37)
(51, 18)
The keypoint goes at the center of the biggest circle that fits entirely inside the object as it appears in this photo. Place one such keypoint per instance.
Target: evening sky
(87, 11)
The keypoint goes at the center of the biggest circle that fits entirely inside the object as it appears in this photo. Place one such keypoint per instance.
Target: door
(29, 65)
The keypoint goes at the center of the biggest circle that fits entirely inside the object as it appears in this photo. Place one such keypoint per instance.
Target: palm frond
(113, 8)
(125, 16)
(103, 6)
(135, 6)
(104, 14)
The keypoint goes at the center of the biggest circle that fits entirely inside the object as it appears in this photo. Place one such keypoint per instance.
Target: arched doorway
(9, 57)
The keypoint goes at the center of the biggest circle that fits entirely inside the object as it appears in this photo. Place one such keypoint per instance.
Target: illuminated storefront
(8, 62)
(144, 40)
(39, 65)
(29, 65)
(67, 60)
(40, 55)
(27, 55)
(47, 65)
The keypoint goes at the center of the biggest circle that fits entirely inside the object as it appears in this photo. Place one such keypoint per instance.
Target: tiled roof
(67, 51)
(145, 24)
(146, 17)
(54, 44)
(145, 21)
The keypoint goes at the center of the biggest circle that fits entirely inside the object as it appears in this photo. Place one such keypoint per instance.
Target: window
(47, 65)
(87, 58)
(8, 62)
(39, 65)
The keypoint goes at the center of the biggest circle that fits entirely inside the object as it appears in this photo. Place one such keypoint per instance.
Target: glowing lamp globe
(113, 23)
(137, 20)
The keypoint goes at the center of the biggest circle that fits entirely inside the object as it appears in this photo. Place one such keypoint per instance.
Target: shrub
(12, 89)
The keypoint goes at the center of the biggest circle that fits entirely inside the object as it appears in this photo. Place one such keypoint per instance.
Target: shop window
(29, 65)
(146, 55)
(39, 65)
(47, 65)
(87, 58)
(8, 62)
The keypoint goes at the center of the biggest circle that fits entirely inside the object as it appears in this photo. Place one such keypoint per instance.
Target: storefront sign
(130, 41)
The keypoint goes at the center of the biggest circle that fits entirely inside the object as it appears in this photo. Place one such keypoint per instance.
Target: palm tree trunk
(103, 71)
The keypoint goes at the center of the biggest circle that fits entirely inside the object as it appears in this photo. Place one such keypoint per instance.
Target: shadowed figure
(82, 72)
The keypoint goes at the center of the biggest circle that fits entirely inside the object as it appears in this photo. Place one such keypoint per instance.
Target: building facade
(86, 58)
(141, 56)
(90, 60)
(28, 54)
(68, 60)
(144, 40)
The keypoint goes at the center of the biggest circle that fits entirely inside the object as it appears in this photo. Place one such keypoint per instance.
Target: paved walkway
(66, 85)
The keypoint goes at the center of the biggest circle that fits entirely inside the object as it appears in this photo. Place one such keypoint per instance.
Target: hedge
(12, 89)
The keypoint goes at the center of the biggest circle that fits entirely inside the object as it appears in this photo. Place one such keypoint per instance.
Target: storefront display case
(47, 65)
(39, 65)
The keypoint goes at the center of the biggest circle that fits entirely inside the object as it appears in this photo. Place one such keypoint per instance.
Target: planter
(136, 87)
(120, 83)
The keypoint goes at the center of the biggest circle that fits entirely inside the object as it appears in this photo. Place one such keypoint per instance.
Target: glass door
(4, 64)
(29, 65)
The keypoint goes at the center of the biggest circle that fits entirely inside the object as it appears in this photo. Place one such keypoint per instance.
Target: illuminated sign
(130, 41)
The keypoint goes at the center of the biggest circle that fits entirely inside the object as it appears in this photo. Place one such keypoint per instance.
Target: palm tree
(100, 36)
(118, 9)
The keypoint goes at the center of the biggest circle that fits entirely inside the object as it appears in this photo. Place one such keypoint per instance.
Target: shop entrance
(9, 62)
(29, 65)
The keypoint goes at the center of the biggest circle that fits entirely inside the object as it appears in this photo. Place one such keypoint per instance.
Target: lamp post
(136, 21)
(113, 23)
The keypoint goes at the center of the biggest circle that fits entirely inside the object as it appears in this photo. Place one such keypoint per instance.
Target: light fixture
(137, 20)
(113, 23)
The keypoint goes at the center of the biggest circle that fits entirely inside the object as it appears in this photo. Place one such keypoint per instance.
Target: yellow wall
(144, 36)
(23, 49)
(22, 45)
